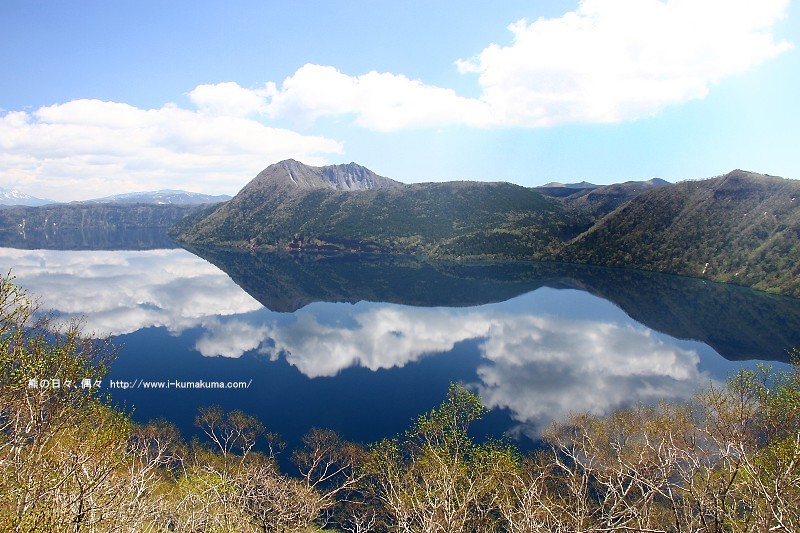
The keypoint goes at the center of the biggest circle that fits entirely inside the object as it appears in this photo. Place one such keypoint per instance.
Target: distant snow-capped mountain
(581, 185)
(166, 196)
(15, 197)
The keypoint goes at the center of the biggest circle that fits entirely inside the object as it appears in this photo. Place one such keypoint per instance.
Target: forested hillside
(456, 219)
(741, 228)
(600, 201)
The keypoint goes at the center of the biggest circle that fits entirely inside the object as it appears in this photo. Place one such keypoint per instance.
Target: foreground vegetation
(729, 461)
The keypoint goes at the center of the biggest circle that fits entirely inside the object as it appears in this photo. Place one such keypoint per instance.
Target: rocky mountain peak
(296, 175)
(354, 177)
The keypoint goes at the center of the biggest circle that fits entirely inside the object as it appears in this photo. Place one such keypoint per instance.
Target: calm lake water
(363, 346)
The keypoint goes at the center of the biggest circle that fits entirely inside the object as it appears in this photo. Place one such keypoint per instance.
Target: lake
(364, 345)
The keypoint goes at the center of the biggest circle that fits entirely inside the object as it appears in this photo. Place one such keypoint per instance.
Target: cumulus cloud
(229, 98)
(607, 61)
(386, 337)
(379, 101)
(123, 291)
(91, 148)
(613, 60)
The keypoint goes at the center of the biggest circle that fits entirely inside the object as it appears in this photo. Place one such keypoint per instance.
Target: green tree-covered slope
(288, 206)
(600, 201)
(741, 228)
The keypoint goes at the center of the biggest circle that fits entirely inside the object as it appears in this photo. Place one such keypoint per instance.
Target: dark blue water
(538, 342)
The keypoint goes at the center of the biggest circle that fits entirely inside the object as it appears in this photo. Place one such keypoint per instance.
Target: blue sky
(102, 97)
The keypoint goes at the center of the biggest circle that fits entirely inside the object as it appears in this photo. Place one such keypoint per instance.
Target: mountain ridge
(13, 197)
(291, 206)
(160, 197)
(697, 228)
(579, 185)
(296, 175)
(741, 227)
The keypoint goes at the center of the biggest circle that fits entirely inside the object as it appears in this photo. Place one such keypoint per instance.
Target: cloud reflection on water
(538, 365)
(543, 369)
(387, 336)
(118, 292)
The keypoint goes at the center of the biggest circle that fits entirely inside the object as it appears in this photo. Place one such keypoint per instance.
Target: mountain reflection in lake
(362, 346)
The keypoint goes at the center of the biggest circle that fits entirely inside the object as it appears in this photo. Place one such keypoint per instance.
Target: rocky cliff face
(293, 175)
(90, 226)
(353, 177)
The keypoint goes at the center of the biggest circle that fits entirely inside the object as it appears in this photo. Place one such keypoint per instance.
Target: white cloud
(387, 337)
(379, 101)
(230, 338)
(89, 148)
(230, 99)
(607, 61)
(613, 60)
